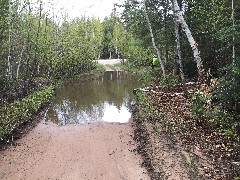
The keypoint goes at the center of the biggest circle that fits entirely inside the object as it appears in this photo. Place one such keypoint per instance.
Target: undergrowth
(195, 121)
(21, 111)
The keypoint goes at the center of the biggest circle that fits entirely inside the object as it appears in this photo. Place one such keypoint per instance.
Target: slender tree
(153, 39)
(20, 61)
(178, 55)
(9, 70)
(233, 38)
(36, 59)
(29, 46)
(180, 19)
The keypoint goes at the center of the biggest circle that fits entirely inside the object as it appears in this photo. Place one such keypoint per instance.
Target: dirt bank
(107, 68)
(176, 145)
(92, 151)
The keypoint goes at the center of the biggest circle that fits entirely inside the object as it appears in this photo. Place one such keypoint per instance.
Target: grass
(116, 66)
(99, 68)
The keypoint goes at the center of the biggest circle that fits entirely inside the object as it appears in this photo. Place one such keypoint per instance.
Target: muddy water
(105, 99)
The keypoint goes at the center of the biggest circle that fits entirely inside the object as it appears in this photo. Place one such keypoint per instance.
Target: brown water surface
(99, 150)
(105, 99)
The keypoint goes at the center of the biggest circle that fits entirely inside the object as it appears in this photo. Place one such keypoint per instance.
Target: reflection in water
(106, 99)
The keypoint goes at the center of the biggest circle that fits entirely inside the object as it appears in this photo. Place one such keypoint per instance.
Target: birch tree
(153, 39)
(9, 70)
(20, 61)
(36, 59)
(196, 53)
(233, 38)
(178, 56)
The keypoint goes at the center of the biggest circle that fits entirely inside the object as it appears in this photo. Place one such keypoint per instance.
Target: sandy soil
(107, 68)
(163, 159)
(93, 151)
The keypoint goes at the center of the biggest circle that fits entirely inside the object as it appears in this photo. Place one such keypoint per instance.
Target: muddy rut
(92, 151)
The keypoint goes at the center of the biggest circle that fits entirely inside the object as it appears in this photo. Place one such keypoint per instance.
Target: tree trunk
(19, 62)
(116, 52)
(178, 56)
(166, 31)
(99, 55)
(29, 46)
(153, 40)
(233, 23)
(196, 53)
(36, 59)
(9, 70)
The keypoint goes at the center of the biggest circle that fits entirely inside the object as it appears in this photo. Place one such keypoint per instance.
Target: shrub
(138, 56)
(228, 90)
(216, 119)
(21, 111)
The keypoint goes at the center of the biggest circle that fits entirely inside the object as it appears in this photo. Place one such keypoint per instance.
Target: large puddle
(105, 99)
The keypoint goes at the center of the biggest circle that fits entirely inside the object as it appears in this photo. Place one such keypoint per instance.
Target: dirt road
(94, 151)
(109, 61)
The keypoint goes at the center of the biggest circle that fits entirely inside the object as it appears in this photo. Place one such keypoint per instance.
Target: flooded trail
(86, 134)
(93, 151)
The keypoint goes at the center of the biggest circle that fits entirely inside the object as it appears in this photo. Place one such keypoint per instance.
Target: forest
(194, 40)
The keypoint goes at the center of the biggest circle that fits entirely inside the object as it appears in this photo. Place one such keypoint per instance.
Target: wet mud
(86, 134)
(92, 151)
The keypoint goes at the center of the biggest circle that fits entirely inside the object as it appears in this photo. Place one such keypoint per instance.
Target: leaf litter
(174, 144)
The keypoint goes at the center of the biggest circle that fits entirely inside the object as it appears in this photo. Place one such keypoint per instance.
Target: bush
(228, 90)
(199, 106)
(147, 76)
(21, 111)
(166, 82)
(214, 118)
(138, 56)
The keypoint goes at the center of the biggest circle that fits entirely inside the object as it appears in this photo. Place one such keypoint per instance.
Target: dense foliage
(37, 45)
(21, 111)
(214, 26)
(37, 48)
(210, 114)
(210, 22)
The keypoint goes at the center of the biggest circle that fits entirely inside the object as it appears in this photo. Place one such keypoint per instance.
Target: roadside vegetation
(190, 106)
(39, 50)
(19, 112)
(191, 123)
(190, 101)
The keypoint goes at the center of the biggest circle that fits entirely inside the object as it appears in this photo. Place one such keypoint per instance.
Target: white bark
(19, 61)
(153, 40)
(99, 55)
(116, 52)
(9, 70)
(36, 59)
(178, 55)
(55, 34)
(38, 68)
(196, 53)
(233, 23)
